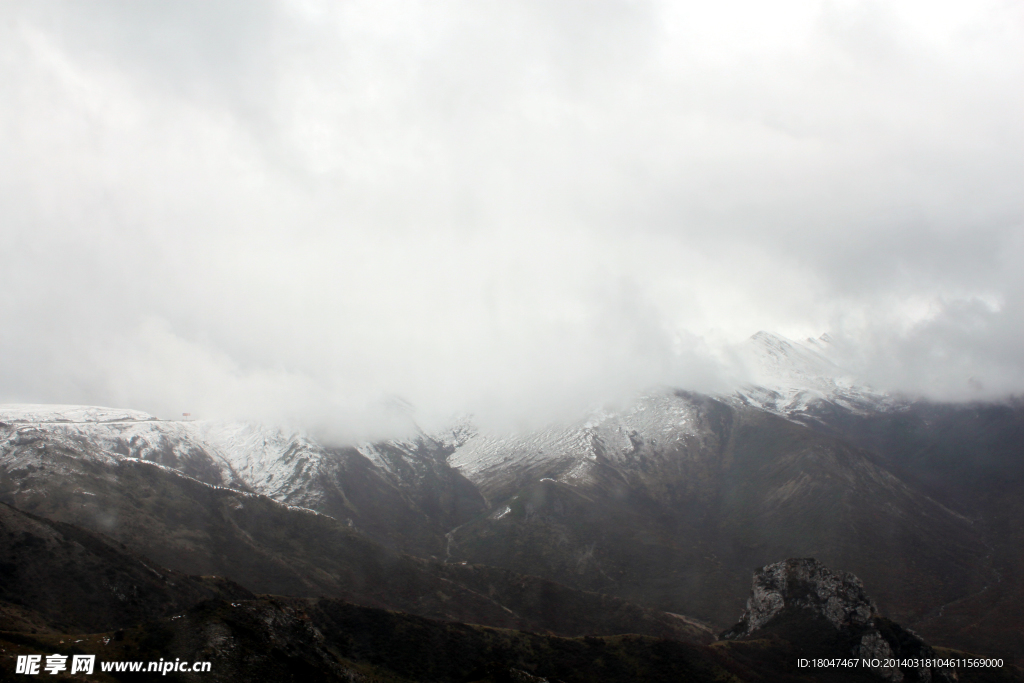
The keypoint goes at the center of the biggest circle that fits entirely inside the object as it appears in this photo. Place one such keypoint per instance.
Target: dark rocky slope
(675, 516)
(798, 609)
(267, 547)
(970, 458)
(668, 506)
(61, 577)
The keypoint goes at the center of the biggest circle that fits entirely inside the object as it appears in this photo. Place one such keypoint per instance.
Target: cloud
(512, 209)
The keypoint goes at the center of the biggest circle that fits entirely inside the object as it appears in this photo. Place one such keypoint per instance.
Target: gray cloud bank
(517, 209)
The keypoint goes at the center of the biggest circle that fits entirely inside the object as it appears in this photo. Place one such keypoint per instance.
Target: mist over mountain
(531, 331)
(657, 507)
(293, 211)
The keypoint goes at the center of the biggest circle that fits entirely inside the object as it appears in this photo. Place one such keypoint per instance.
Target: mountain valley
(646, 519)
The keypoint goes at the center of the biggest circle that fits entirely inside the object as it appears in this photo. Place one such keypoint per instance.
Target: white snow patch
(790, 377)
(32, 412)
(567, 452)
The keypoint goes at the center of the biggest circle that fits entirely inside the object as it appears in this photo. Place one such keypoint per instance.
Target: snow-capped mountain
(796, 378)
(106, 435)
(399, 478)
(702, 487)
(402, 492)
(578, 453)
(666, 501)
(790, 379)
(276, 462)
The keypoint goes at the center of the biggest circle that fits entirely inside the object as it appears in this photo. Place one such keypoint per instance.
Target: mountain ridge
(665, 502)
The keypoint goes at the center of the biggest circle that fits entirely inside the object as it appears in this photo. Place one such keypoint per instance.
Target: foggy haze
(515, 209)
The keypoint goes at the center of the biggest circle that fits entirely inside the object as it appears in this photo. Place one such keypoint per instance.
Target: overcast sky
(510, 208)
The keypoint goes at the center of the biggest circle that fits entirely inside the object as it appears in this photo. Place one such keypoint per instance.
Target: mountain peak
(789, 377)
(765, 338)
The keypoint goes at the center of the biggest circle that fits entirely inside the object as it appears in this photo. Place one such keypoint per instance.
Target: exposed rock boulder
(800, 599)
(808, 584)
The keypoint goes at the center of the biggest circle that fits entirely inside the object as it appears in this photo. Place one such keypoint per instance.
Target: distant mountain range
(619, 522)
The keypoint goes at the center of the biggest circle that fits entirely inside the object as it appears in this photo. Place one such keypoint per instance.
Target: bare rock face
(799, 598)
(808, 584)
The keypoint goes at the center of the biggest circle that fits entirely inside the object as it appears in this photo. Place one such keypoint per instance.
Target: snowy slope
(277, 462)
(402, 490)
(404, 458)
(794, 379)
(291, 466)
(789, 378)
(29, 412)
(574, 454)
(105, 435)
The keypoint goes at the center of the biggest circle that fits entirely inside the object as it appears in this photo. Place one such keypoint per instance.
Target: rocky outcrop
(800, 598)
(805, 584)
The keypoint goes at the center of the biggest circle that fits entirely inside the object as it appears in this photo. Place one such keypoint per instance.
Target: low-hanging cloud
(296, 210)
